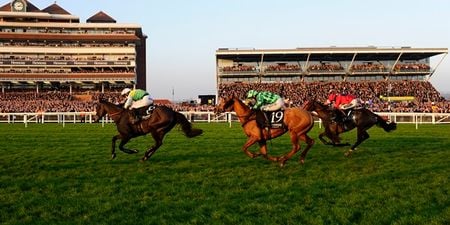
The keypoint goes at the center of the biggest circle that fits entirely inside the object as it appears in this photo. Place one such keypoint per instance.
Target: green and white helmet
(125, 91)
(252, 93)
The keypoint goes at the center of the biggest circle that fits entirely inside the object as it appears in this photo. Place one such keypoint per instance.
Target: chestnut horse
(362, 120)
(162, 120)
(296, 120)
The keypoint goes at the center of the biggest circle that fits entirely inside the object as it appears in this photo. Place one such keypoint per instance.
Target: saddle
(341, 116)
(270, 119)
(142, 113)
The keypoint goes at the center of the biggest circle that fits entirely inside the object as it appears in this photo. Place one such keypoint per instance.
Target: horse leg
(295, 148)
(113, 148)
(126, 150)
(250, 142)
(158, 142)
(263, 151)
(333, 135)
(309, 143)
(362, 135)
(325, 142)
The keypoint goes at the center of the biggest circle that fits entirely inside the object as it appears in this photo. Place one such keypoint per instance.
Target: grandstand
(51, 62)
(386, 79)
(49, 49)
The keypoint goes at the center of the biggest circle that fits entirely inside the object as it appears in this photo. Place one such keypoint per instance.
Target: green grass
(51, 174)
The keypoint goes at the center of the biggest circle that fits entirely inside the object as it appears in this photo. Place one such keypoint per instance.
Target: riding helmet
(252, 93)
(125, 91)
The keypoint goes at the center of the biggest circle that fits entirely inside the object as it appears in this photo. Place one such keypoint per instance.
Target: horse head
(318, 108)
(104, 107)
(225, 105)
(308, 105)
(100, 110)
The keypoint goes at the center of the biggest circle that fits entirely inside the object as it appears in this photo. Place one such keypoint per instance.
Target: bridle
(115, 114)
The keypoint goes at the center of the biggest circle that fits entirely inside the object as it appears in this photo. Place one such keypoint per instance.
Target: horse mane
(229, 101)
(318, 103)
(104, 101)
(321, 105)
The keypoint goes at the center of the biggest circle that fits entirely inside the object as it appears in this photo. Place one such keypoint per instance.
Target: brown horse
(162, 120)
(362, 119)
(297, 121)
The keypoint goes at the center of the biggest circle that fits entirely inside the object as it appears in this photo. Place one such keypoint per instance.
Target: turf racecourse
(51, 174)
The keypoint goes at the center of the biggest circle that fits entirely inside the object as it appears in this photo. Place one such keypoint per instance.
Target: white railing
(88, 117)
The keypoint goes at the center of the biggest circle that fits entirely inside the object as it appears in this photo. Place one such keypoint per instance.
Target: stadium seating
(372, 93)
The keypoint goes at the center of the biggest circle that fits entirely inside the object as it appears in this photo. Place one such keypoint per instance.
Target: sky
(183, 35)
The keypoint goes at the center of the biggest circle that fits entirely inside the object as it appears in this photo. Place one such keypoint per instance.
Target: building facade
(50, 47)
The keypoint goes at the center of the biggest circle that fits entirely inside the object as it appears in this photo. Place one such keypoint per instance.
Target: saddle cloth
(272, 119)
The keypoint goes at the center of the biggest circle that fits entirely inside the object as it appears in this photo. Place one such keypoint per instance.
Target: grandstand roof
(329, 54)
(101, 17)
(55, 9)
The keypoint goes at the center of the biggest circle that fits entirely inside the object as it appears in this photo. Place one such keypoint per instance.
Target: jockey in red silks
(345, 102)
(332, 95)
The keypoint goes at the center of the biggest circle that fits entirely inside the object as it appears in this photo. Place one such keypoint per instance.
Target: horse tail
(186, 126)
(387, 126)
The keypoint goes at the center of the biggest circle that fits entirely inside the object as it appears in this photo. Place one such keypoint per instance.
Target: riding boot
(344, 125)
(136, 116)
(334, 116)
(266, 120)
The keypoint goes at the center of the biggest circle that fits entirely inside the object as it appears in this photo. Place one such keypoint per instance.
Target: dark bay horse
(362, 120)
(297, 121)
(162, 120)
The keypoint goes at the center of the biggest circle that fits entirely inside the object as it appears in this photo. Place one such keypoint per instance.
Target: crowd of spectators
(412, 67)
(368, 67)
(325, 67)
(25, 101)
(53, 101)
(332, 67)
(372, 94)
(239, 68)
(283, 68)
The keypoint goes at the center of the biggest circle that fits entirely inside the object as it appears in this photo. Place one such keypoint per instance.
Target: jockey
(331, 97)
(136, 99)
(345, 102)
(266, 101)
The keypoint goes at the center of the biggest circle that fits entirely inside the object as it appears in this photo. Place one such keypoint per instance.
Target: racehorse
(362, 119)
(161, 121)
(296, 120)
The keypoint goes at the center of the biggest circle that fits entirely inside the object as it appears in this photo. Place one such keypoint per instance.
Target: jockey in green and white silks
(136, 98)
(266, 101)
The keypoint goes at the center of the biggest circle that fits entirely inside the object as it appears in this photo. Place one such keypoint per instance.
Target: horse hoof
(282, 162)
(302, 161)
(256, 155)
(113, 156)
(348, 153)
(134, 151)
(143, 159)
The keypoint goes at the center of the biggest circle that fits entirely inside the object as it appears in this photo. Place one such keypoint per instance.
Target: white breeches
(145, 101)
(350, 105)
(274, 106)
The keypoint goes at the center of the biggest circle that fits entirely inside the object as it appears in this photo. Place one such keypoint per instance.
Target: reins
(246, 116)
(114, 114)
